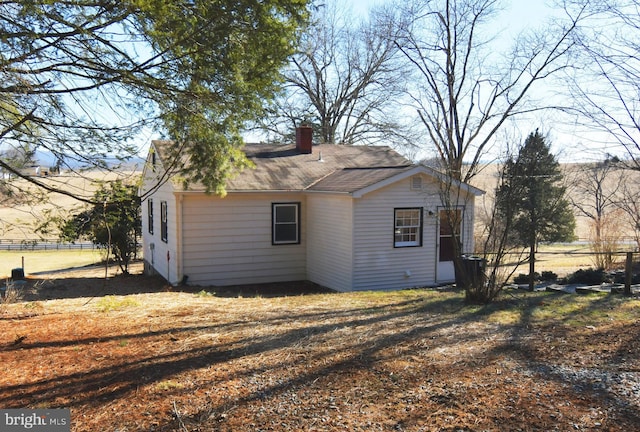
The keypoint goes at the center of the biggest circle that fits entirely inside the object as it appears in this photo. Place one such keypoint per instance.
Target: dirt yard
(131, 354)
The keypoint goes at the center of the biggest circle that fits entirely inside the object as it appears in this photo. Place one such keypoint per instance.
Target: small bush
(548, 276)
(588, 276)
(11, 293)
(619, 278)
(524, 278)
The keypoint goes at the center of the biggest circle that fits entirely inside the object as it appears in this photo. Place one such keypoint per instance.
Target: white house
(345, 217)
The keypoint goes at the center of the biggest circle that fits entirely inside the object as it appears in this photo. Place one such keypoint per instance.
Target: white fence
(43, 245)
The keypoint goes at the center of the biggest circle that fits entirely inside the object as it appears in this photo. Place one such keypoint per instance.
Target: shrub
(524, 278)
(619, 278)
(588, 276)
(11, 293)
(545, 276)
(548, 276)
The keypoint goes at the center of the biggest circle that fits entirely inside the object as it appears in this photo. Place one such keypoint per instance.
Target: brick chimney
(304, 139)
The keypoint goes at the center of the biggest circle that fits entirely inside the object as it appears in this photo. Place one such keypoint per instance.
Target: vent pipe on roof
(304, 136)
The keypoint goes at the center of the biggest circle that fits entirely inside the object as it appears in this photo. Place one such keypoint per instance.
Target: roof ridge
(378, 167)
(322, 178)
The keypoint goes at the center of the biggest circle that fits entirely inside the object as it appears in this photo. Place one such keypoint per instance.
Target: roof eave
(328, 192)
(417, 169)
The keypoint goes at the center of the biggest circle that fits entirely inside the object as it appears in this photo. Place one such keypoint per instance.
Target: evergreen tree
(533, 196)
(83, 79)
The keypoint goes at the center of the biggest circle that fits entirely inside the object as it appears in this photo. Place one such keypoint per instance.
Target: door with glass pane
(449, 229)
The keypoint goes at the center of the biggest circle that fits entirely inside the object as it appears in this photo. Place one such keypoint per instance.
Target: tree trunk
(628, 270)
(532, 265)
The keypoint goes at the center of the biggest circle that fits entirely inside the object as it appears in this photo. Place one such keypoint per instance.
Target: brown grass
(416, 360)
(17, 221)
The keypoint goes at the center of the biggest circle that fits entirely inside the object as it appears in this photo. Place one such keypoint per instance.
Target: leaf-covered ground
(420, 360)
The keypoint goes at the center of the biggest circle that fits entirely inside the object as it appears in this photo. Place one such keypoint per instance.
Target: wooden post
(628, 270)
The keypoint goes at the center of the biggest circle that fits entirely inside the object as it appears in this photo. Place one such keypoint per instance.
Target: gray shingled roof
(354, 179)
(283, 168)
(335, 168)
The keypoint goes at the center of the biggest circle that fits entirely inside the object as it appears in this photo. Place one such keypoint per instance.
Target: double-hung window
(150, 215)
(285, 223)
(163, 221)
(408, 227)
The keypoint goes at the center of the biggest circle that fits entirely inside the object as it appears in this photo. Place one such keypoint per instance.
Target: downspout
(436, 240)
(352, 244)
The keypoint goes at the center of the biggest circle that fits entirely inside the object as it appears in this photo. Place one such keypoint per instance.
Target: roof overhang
(419, 169)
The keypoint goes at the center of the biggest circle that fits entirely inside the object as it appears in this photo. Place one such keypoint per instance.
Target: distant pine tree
(533, 195)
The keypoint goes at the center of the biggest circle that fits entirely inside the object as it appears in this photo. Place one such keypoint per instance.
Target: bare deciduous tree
(343, 80)
(495, 241)
(594, 189)
(605, 92)
(629, 202)
(465, 92)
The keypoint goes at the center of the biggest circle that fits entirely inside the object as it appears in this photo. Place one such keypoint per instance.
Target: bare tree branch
(461, 101)
(343, 80)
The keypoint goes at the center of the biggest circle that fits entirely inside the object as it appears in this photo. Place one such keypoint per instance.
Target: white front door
(449, 229)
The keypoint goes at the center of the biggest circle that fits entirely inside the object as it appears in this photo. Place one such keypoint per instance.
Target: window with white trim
(163, 221)
(408, 227)
(285, 223)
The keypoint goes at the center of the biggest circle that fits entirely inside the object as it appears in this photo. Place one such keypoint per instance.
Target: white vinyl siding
(330, 240)
(378, 265)
(157, 251)
(345, 243)
(228, 241)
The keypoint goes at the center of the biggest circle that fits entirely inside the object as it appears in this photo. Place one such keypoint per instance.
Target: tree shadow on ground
(96, 385)
(594, 363)
(301, 353)
(34, 289)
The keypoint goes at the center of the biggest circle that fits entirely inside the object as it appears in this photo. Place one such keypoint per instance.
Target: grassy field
(40, 261)
(561, 259)
(17, 221)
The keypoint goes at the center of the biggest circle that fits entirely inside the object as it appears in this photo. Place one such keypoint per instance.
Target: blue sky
(517, 15)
